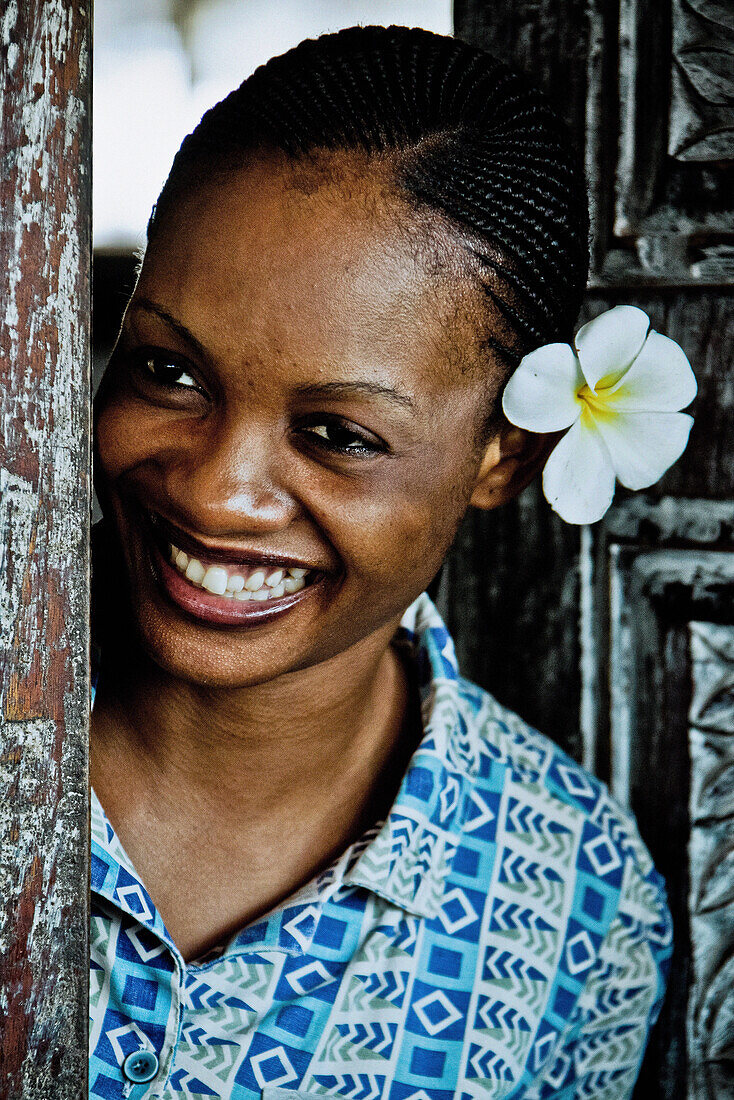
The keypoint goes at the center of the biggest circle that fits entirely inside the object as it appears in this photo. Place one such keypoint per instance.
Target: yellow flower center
(599, 404)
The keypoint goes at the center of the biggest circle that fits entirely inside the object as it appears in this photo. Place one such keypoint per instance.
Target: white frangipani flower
(619, 395)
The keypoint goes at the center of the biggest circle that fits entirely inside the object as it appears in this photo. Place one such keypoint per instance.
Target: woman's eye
(336, 436)
(167, 372)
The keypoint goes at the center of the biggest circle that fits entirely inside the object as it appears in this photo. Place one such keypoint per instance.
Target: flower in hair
(618, 393)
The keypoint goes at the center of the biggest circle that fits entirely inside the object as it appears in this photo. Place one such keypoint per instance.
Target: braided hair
(462, 134)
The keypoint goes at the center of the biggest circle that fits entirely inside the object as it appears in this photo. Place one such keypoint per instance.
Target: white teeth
(195, 572)
(261, 585)
(215, 580)
(257, 580)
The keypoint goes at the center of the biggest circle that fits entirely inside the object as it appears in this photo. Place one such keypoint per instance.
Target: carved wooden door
(618, 640)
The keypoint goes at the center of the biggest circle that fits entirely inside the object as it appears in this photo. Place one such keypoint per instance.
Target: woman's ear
(511, 460)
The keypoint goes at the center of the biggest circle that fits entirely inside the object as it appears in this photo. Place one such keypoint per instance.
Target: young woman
(322, 862)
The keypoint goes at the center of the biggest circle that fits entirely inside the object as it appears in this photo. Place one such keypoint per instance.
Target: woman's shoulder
(558, 828)
(541, 776)
(541, 791)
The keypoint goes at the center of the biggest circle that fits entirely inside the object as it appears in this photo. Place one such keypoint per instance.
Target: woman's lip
(218, 610)
(216, 555)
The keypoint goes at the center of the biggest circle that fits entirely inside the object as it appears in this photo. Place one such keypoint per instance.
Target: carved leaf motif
(715, 709)
(717, 882)
(718, 146)
(716, 802)
(710, 71)
(716, 11)
(715, 1027)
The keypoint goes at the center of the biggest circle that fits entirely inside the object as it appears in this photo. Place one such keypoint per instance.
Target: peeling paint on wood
(44, 507)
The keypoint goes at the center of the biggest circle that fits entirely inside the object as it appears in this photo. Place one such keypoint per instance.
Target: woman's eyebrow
(180, 330)
(316, 389)
(344, 389)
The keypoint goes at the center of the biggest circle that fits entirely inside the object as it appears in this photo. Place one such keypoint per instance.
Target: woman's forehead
(331, 209)
(309, 254)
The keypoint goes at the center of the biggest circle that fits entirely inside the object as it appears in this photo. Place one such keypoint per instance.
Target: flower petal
(642, 445)
(541, 394)
(659, 380)
(607, 345)
(578, 479)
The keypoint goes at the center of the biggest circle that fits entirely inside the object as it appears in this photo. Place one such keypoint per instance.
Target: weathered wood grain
(510, 598)
(711, 854)
(45, 200)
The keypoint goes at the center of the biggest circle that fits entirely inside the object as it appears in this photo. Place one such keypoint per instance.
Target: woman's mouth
(241, 583)
(227, 593)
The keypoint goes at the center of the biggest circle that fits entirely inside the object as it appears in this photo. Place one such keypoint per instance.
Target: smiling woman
(322, 860)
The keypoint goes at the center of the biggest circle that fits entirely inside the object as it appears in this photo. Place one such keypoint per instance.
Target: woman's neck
(264, 743)
(229, 801)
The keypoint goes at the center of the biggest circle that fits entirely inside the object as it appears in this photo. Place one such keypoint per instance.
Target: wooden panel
(548, 38)
(711, 858)
(658, 568)
(647, 87)
(509, 595)
(511, 591)
(44, 507)
(674, 176)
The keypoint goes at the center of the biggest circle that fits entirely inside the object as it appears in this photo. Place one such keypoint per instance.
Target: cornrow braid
(465, 135)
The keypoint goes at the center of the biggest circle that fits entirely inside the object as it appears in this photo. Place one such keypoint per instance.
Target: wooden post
(45, 204)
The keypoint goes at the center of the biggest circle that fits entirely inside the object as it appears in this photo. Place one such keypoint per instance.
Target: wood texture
(674, 171)
(511, 586)
(711, 856)
(658, 576)
(44, 506)
(647, 88)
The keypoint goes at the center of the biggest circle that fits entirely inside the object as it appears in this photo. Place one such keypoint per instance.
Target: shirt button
(140, 1066)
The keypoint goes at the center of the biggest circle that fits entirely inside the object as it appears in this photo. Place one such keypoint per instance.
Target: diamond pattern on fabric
(502, 933)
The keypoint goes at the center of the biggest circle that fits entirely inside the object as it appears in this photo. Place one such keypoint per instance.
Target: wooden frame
(657, 634)
(660, 78)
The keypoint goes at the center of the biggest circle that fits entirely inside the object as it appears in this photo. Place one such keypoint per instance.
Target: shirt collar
(405, 860)
(114, 878)
(409, 858)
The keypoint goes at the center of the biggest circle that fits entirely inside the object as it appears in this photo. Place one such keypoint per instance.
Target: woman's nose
(226, 482)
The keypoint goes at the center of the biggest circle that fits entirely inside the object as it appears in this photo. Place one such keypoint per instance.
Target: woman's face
(288, 393)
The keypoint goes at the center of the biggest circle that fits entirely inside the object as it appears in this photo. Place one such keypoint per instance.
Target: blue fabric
(502, 933)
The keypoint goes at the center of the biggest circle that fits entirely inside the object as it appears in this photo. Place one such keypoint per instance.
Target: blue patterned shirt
(502, 933)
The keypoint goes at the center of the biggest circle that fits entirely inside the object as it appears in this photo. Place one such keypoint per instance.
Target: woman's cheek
(111, 442)
(418, 530)
(124, 434)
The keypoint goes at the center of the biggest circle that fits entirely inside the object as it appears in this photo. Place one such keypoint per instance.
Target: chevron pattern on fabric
(502, 933)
